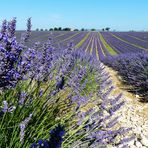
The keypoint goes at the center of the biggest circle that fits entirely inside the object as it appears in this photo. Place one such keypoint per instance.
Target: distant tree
(107, 28)
(55, 29)
(82, 29)
(93, 29)
(46, 29)
(60, 28)
(103, 29)
(66, 29)
(37, 29)
(51, 29)
(41, 30)
(76, 29)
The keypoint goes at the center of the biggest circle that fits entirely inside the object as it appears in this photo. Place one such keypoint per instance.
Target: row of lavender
(46, 99)
(132, 40)
(132, 67)
(143, 36)
(136, 79)
(131, 63)
(118, 45)
(122, 43)
(59, 38)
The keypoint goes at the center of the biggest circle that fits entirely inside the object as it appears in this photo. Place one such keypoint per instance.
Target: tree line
(69, 29)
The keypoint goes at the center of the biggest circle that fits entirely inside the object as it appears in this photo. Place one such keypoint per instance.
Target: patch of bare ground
(133, 114)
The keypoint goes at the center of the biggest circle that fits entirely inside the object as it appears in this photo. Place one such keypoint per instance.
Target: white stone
(138, 129)
(133, 146)
(144, 141)
(138, 144)
(131, 142)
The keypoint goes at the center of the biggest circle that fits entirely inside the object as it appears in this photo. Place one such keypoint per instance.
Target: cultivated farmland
(72, 89)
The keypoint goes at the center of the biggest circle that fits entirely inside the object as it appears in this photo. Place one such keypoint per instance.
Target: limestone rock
(144, 141)
(138, 144)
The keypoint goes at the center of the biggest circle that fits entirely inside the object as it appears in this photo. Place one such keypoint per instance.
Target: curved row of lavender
(131, 63)
(133, 69)
(94, 46)
(139, 35)
(54, 98)
(132, 40)
(118, 45)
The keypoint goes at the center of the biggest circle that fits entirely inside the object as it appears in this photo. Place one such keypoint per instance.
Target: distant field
(98, 44)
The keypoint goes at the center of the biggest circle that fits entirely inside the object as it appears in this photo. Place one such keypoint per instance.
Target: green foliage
(93, 29)
(107, 28)
(82, 41)
(76, 29)
(48, 111)
(110, 50)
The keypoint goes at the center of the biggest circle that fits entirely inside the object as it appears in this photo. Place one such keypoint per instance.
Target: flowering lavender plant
(10, 55)
(132, 68)
(64, 87)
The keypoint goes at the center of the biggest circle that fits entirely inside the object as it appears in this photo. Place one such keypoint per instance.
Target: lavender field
(123, 51)
(60, 89)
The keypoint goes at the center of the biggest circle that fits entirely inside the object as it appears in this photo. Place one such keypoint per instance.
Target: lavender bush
(61, 91)
(133, 68)
(10, 54)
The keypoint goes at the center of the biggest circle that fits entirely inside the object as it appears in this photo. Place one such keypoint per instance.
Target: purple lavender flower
(55, 140)
(34, 145)
(40, 92)
(22, 98)
(41, 144)
(11, 28)
(36, 45)
(6, 108)
(60, 84)
(56, 137)
(116, 107)
(11, 109)
(112, 122)
(28, 32)
(105, 95)
(116, 99)
(23, 125)
(3, 28)
(126, 140)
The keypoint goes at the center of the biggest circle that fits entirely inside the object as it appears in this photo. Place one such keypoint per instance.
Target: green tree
(76, 29)
(107, 28)
(55, 29)
(51, 29)
(60, 28)
(66, 29)
(93, 29)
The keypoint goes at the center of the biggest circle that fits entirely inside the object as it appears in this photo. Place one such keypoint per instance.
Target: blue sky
(117, 14)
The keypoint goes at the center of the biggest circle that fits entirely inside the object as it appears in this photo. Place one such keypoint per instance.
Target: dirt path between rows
(133, 114)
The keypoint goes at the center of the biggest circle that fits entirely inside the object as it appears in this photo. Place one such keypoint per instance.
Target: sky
(120, 15)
